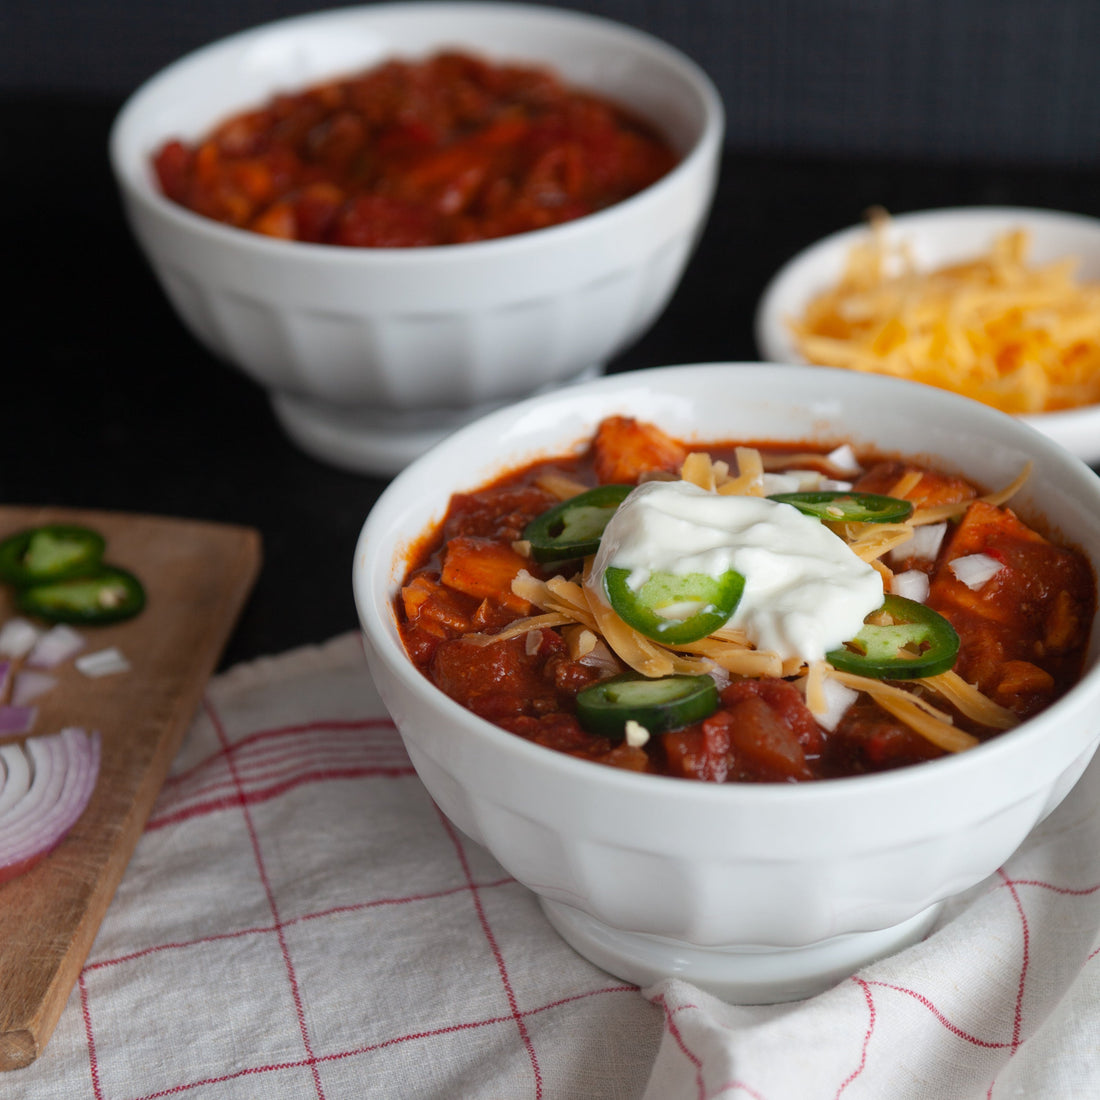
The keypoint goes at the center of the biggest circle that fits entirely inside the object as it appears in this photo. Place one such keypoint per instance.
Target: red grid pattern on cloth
(299, 920)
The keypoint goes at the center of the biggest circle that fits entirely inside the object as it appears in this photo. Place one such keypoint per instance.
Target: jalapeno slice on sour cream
(674, 608)
(835, 506)
(572, 529)
(904, 640)
(659, 704)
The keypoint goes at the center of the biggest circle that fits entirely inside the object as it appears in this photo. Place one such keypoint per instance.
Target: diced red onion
(16, 720)
(913, 584)
(106, 662)
(18, 636)
(57, 645)
(30, 685)
(975, 569)
(47, 783)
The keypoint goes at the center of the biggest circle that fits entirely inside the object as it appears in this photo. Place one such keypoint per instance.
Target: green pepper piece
(916, 642)
(660, 704)
(49, 553)
(674, 608)
(572, 529)
(845, 507)
(109, 595)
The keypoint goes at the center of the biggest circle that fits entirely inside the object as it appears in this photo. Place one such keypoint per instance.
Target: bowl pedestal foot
(370, 439)
(742, 975)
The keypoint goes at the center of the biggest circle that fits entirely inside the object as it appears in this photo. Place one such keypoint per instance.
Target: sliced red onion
(5, 678)
(913, 584)
(975, 569)
(18, 636)
(16, 720)
(106, 662)
(30, 685)
(57, 645)
(48, 782)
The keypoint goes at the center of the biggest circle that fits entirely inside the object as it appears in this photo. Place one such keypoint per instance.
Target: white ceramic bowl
(759, 892)
(372, 354)
(938, 237)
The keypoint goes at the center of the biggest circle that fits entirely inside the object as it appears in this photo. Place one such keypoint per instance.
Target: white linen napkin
(299, 920)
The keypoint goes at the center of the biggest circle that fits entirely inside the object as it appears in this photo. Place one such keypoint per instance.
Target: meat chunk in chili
(1023, 631)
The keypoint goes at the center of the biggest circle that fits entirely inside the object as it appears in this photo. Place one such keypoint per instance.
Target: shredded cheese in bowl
(1022, 337)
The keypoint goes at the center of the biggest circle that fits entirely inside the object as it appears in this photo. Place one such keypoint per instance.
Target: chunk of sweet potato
(625, 448)
(483, 568)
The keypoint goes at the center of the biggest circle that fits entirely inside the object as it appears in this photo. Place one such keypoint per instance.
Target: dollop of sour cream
(805, 593)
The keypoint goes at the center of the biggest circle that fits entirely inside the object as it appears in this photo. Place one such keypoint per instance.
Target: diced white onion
(636, 734)
(975, 569)
(801, 481)
(838, 698)
(844, 458)
(912, 584)
(925, 543)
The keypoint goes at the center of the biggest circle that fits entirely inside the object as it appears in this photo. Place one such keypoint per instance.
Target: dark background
(1008, 80)
(833, 106)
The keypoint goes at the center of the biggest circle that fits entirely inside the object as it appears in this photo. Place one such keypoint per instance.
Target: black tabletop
(108, 402)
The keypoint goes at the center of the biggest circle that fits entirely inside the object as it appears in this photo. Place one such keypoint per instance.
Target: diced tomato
(1035, 609)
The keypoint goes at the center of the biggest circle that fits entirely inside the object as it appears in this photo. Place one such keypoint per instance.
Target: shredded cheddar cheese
(1023, 338)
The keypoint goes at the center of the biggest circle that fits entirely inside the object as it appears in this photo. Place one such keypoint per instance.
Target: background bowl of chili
(370, 354)
(757, 891)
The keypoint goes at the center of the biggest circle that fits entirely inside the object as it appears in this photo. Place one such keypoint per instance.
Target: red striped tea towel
(299, 921)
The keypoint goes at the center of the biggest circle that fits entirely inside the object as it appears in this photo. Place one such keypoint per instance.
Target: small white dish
(938, 237)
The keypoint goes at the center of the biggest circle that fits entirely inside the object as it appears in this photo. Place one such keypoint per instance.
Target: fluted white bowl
(760, 892)
(372, 354)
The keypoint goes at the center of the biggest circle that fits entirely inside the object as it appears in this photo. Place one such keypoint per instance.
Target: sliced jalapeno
(660, 704)
(842, 507)
(674, 608)
(904, 641)
(49, 553)
(106, 596)
(572, 529)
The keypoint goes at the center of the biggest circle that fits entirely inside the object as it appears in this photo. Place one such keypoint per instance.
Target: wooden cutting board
(197, 577)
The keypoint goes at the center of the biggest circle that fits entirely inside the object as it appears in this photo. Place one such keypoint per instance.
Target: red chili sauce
(1023, 635)
(440, 151)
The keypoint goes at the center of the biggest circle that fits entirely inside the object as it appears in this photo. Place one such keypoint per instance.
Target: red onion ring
(45, 785)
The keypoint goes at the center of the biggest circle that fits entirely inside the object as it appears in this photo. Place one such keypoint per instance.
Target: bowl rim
(139, 187)
(772, 341)
(373, 587)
